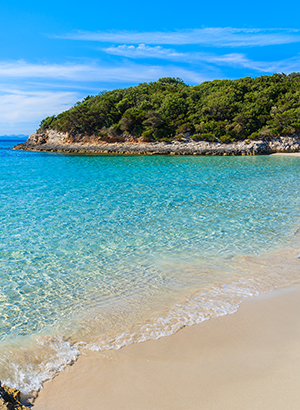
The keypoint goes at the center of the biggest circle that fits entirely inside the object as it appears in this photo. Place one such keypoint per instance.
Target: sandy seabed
(246, 360)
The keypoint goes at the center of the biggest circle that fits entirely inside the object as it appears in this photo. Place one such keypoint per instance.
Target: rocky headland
(54, 141)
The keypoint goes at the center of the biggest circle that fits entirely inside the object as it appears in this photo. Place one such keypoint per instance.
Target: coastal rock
(10, 399)
(48, 137)
(54, 141)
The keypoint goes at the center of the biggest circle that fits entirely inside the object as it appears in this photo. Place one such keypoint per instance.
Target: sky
(54, 54)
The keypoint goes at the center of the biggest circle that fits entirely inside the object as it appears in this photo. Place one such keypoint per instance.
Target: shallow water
(99, 252)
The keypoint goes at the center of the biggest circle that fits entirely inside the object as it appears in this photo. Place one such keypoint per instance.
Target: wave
(28, 368)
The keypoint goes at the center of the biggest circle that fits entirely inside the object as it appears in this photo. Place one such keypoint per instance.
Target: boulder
(10, 399)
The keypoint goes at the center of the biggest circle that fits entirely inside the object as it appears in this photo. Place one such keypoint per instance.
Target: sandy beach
(286, 154)
(246, 360)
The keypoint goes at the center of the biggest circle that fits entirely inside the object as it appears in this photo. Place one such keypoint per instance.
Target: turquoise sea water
(100, 252)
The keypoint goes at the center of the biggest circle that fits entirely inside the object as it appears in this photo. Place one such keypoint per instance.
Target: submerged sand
(247, 360)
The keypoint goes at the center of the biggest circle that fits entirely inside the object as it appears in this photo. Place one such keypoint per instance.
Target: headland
(54, 141)
(247, 116)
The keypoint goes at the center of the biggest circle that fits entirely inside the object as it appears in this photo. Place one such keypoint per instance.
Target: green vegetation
(219, 110)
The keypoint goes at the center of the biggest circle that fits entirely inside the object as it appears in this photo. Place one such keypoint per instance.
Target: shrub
(185, 128)
(204, 137)
(231, 110)
(114, 130)
(147, 135)
(226, 139)
(46, 123)
(102, 134)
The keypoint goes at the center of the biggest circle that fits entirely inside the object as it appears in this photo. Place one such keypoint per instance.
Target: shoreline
(62, 143)
(146, 149)
(249, 359)
(286, 154)
(217, 300)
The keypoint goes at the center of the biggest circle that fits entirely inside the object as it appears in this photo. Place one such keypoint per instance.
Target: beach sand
(286, 154)
(246, 360)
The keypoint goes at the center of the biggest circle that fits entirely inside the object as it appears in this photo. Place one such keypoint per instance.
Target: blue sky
(55, 53)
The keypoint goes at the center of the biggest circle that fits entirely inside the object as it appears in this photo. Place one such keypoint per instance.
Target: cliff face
(47, 137)
(52, 137)
(54, 141)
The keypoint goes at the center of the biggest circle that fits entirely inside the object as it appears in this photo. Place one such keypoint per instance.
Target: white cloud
(22, 109)
(144, 51)
(19, 106)
(213, 36)
(22, 69)
(232, 59)
(240, 60)
(125, 72)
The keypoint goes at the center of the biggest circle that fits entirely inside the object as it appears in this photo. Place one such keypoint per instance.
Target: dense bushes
(225, 110)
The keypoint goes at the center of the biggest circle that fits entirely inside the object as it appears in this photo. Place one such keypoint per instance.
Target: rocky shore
(53, 141)
(10, 399)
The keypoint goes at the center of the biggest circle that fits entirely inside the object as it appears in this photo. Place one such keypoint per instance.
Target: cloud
(29, 92)
(144, 51)
(19, 106)
(213, 36)
(26, 98)
(124, 72)
(287, 66)
(240, 60)
(232, 59)
(22, 69)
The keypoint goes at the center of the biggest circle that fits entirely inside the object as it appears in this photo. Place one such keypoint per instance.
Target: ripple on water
(99, 252)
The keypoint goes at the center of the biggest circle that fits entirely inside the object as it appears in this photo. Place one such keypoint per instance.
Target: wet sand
(247, 360)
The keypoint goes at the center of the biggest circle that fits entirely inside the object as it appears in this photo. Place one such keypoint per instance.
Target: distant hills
(13, 137)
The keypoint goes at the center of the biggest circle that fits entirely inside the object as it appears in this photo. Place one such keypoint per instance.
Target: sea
(99, 252)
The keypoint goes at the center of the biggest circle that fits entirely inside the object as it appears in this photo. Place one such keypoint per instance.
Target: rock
(54, 141)
(10, 399)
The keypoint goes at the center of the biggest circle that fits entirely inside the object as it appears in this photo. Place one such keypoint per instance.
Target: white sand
(249, 360)
(286, 154)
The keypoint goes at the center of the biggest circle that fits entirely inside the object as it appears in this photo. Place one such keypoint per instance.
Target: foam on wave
(52, 354)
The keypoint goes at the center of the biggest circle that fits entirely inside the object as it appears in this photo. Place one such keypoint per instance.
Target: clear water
(99, 251)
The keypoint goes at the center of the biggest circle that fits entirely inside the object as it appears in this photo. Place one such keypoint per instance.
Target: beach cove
(107, 252)
(149, 206)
